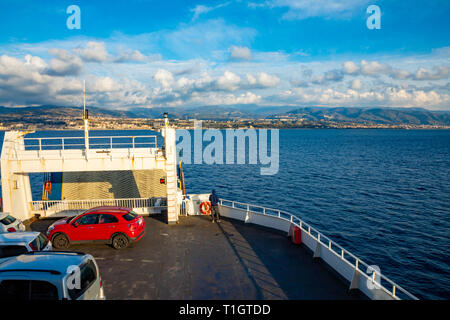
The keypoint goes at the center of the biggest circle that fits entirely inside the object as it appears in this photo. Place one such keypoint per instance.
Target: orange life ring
(48, 186)
(205, 207)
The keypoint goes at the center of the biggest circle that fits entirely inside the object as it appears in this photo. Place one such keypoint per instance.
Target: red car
(117, 226)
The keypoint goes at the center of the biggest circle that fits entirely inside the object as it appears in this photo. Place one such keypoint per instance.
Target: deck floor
(197, 259)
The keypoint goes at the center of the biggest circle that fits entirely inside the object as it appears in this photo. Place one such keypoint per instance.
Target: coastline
(156, 124)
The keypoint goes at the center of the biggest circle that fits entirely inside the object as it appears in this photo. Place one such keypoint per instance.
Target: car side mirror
(75, 224)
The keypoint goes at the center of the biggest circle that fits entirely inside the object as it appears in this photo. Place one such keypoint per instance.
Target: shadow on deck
(197, 259)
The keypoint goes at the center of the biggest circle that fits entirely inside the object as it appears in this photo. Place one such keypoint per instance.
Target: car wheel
(60, 241)
(120, 241)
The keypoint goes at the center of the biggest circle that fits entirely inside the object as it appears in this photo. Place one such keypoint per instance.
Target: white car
(10, 224)
(16, 243)
(51, 275)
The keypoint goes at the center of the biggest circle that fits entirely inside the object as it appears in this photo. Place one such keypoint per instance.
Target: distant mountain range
(204, 113)
(410, 116)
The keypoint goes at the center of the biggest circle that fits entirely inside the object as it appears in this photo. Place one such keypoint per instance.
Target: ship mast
(85, 118)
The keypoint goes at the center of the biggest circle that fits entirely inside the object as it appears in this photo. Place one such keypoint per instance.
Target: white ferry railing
(109, 142)
(68, 205)
(376, 277)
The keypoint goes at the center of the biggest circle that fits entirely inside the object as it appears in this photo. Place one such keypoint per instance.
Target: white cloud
(302, 9)
(29, 82)
(210, 90)
(356, 84)
(391, 96)
(164, 77)
(93, 52)
(240, 53)
(350, 67)
(334, 75)
(262, 80)
(131, 56)
(270, 78)
(373, 68)
(246, 98)
(35, 62)
(400, 74)
(414, 98)
(317, 79)
(439, 72)
(214, 98)
(65, 63)
(201, 9)
(104, 84)
(229, 81)
(25, 82)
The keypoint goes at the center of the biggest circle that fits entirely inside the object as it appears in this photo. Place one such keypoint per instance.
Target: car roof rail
(56, 252)
(31, 270)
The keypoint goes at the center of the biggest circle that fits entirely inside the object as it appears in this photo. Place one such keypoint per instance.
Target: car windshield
(78, 215)
(130, 216)
(7, 220)
(39, 243)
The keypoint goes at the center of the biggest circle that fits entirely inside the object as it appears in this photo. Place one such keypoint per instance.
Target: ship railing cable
(383, 282)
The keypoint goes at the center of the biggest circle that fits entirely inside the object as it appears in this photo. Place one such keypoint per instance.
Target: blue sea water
(384, 195)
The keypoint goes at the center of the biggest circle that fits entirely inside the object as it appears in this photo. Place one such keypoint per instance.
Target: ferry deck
(197, 259)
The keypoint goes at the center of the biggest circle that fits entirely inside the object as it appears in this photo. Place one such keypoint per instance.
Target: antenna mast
(85, 118)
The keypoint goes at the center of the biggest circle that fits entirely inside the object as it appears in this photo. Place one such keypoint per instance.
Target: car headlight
(50, 228)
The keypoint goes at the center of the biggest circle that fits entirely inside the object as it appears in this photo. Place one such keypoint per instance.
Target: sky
(144, 54)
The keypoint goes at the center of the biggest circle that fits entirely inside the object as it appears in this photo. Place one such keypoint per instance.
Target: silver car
(51, 275)
(16, 243)
(10, 224)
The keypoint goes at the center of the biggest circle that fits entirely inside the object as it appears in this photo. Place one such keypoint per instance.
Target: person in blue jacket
(214, 199)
